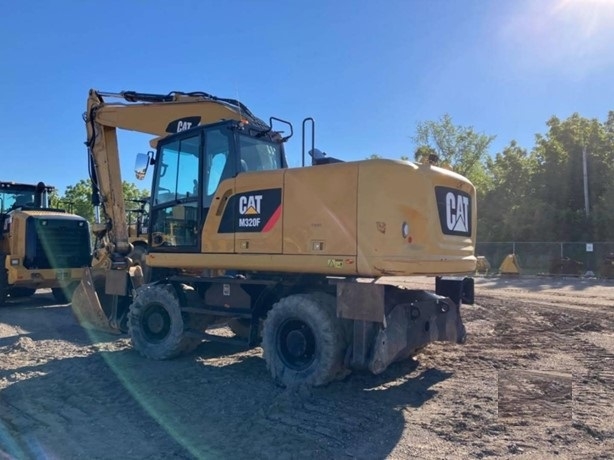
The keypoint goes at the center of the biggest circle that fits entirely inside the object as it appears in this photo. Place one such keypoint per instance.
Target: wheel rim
(296, 344)
(155, 323)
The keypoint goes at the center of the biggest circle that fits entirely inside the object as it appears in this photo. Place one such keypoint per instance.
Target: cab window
(178, 171)
(219, 164)
(258, 155)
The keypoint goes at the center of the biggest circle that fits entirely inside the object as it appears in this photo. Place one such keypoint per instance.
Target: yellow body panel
(391, 193)
(342, 219)
(320, 210)
(20, 276)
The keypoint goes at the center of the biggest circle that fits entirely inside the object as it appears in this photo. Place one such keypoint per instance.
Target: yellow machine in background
(294, 255)
(39, 247)
(510, 265)
(138, 221)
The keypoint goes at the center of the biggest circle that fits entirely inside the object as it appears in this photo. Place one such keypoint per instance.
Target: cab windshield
(14, 197)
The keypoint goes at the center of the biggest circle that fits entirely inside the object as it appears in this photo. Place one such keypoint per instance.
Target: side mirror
(142, 164)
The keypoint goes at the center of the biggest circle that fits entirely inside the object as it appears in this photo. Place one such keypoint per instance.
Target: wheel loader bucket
(87, 308)
(510, 265)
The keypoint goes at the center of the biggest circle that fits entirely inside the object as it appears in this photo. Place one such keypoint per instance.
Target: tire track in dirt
(553, 381)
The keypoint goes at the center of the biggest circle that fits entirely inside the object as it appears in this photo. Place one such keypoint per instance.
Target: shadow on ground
(216, 403)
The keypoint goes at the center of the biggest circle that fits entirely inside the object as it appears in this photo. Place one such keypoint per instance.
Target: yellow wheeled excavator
(310, 262)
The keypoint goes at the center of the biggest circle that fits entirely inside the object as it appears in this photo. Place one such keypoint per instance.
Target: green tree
(79, 197)
(460, 147)
(424, 154)
(539, 196)
(55, 201)
(559, 179)
(506, 211)
(603, 214)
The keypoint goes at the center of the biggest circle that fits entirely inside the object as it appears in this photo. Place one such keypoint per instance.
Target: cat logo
(250, 205)
(454, 207)
(457, 212)
(182, 124)
(255, 211)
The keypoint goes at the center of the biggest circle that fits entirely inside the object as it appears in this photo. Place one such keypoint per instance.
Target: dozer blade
(87, 308)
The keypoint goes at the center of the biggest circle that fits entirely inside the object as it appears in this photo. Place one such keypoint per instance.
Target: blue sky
(367, 71)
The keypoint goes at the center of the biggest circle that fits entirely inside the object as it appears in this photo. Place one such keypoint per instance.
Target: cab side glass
(217, 167)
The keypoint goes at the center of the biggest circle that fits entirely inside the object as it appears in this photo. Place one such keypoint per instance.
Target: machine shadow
(211, 403)
(44, 319)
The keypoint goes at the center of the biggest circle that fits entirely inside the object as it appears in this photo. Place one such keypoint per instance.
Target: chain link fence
(560, 258)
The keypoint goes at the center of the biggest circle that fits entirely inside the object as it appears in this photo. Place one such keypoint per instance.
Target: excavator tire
(156, 325)
(303, 341)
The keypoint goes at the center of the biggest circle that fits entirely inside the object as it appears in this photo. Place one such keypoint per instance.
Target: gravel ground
(534, 380)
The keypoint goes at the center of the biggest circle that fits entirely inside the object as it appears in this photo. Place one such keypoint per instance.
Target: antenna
(239, 99)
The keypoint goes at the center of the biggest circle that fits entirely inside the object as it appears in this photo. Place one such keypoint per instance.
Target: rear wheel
(303, 340)
(156, 325)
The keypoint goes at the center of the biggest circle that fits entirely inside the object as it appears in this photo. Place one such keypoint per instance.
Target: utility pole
(589, 246)
(585, 173)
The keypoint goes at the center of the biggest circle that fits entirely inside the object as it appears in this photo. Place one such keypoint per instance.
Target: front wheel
(156, 325)
(303, 341)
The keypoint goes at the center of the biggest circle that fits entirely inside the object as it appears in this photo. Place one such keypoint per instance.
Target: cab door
(217, 186)
(241, 189)
(175, 202)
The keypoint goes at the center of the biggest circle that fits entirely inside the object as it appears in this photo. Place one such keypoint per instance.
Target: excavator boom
(161, 115)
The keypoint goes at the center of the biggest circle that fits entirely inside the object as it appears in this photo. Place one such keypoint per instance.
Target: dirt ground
(534, 380)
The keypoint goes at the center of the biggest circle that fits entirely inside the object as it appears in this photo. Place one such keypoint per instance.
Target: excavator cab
(189, 168)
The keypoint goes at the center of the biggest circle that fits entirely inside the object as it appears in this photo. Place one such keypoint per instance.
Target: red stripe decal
(273, 220)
